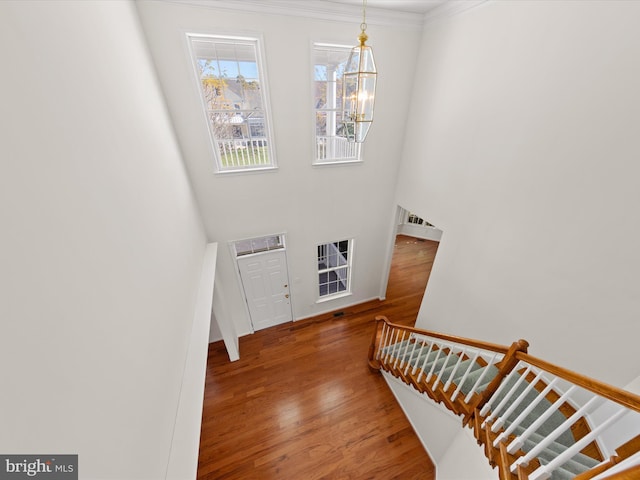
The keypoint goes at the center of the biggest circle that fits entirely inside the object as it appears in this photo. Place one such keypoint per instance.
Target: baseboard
(357, 307)
(351, 309)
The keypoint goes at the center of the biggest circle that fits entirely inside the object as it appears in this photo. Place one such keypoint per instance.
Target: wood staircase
(534, 420)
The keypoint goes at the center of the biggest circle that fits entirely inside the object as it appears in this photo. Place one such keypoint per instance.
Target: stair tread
(548, 426)
(486, 380)
(415, 358)
(577, 464)
(564, 473)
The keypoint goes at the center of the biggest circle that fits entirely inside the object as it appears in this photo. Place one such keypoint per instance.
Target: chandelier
(359, 87)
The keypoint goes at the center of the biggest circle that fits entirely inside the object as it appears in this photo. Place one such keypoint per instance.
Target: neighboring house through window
(328, 67)
(334, 268)
(234, 95)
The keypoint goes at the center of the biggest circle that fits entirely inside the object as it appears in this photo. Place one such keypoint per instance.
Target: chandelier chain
(363, 25)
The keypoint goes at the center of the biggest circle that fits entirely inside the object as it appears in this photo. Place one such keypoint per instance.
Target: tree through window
(230, 78)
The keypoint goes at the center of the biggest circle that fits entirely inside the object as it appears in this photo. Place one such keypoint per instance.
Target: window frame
(357, 158)
(257, 41)
(411, 218)
(348, 266)
(256, 245)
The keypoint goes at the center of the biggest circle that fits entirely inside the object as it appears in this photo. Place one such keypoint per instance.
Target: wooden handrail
(615, 394)
(505, 366)
(629, 448)
(518, 352)
(470, 407)
(452, 338)
(632, 473)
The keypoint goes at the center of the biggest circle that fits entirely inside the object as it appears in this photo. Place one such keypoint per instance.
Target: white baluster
(544, 471)
(406, 349)
(396, 351)
(383, 337)
(442, 368)
(398, 345)
(426, 357)
(467, 399)
(535, 425)
(503, 384)
(461, 355)
(433, 365)
(391, 345)
(456, 392)
(503, 418)
(413, 350)
(507, 397)
(424, 364)
(383, 343)
(525, 413)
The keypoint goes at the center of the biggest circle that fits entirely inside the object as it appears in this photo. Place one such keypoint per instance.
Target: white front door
(266, 288)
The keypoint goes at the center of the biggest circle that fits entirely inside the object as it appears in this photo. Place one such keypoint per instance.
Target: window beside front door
(334, 269)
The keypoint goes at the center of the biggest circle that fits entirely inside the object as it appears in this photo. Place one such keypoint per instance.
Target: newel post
(508, 363)
(374, 363)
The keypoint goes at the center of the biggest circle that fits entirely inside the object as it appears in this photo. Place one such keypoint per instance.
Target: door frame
(391, 241)
(399, 221)
(232, 250)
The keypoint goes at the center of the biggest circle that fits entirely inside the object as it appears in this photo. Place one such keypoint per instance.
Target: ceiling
(409, 13)
(411, 6)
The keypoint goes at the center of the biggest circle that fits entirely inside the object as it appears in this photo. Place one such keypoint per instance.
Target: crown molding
(323, 10)
(450, 8)
(315, 9)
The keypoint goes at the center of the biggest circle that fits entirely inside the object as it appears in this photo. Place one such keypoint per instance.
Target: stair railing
(430, 361)
(536, 420)
(582, 400)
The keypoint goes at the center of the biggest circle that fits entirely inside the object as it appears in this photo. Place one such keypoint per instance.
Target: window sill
(334, 297)
(336, 163)
(240, 171)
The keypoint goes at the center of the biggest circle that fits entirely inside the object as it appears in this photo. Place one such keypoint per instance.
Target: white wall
(442, 435)
(475, 465)
(101, 246)
(312, 205)
(185, 440)
(435, 426)
(523, 148)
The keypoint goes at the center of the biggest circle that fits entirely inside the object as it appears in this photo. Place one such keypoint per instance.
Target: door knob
(286, 296)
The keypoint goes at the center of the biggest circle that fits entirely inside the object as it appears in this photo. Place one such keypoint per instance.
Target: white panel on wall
(522, 145)
(101, 245)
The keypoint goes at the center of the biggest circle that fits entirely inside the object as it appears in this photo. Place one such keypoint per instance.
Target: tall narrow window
(328, 67)
(334, 268)
(235, 100)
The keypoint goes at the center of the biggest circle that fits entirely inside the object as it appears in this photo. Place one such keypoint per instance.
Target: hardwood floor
(302, 404)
